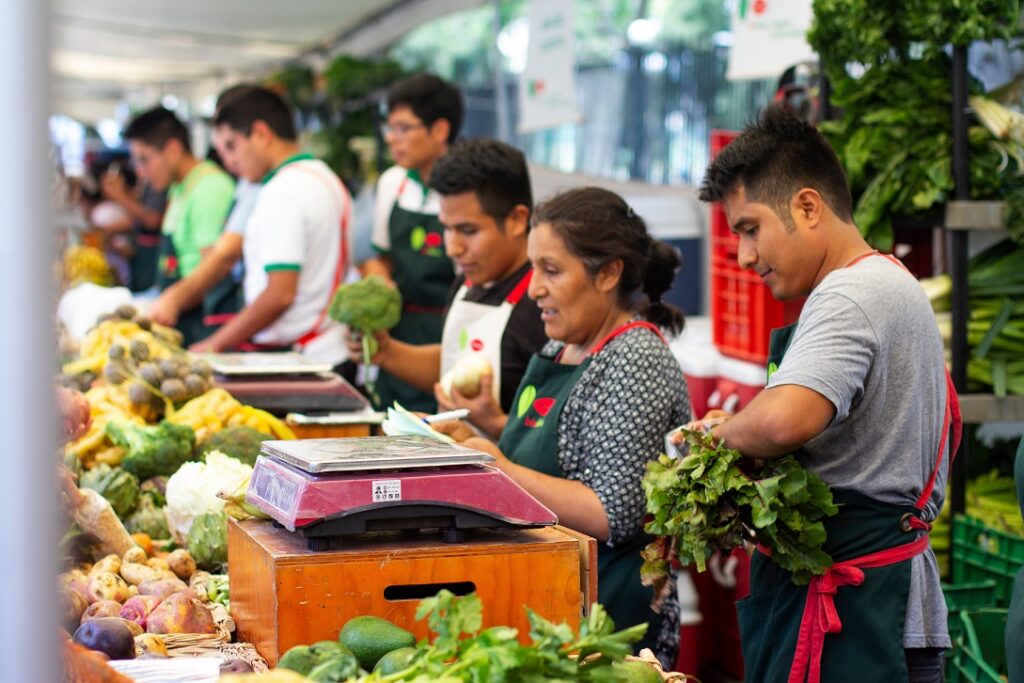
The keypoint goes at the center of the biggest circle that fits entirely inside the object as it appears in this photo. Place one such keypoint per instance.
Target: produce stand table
(283, 594)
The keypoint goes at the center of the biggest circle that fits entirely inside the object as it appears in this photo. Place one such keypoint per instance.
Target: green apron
(1015, 615)
(424, 275)
(530, 439)
(868, 643)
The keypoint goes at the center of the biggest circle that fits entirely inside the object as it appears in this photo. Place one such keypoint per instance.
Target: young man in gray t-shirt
(862, 396)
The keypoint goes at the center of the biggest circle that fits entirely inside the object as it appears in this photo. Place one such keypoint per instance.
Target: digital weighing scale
(284, 382)
(323, 488)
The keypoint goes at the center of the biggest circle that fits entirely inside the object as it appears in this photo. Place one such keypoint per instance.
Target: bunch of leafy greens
(461, 651)
(894, 137)
(706, 502)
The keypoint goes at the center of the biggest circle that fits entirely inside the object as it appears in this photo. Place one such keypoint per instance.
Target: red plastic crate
(743, 310)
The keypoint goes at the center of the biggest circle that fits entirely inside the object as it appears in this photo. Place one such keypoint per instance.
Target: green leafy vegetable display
(707, 502)
(461, 651)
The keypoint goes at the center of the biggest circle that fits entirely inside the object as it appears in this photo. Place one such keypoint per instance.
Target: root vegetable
(159, 563)
(100, 609)
(137, 574)
(151, 644)
(138, 609)
(72, 606)
(107, 586)
(467, 373)
(180, 613)
(110, 563)
(182, 564)
(75, 580)
(163, 588)
(136, 556)
(132, 626)
(110, 636)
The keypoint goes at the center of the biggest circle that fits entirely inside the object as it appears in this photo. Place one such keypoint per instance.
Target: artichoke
(208, 540)
(149, 519)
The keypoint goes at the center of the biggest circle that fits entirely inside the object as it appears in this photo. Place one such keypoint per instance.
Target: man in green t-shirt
(199, 196)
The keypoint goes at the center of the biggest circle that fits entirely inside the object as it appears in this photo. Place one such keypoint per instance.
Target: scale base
(451, 522)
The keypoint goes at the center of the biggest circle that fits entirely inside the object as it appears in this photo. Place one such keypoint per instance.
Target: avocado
(395, 661)
(370, 638)
(325, 650)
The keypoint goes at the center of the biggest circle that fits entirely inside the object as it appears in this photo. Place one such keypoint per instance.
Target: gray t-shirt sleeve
(831, 353)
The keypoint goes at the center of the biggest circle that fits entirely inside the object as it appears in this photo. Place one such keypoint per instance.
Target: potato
(182, 564)
(100, 609)
(72, 606)
(159, 564)
(137, 609)
(107, 586)
(110, 563)
(76, 580)
(132, 626)
(136, 574)
(150, 644)
(135, 555)
(162, 588)
(132, 591)
(109, 636)
(180, 613)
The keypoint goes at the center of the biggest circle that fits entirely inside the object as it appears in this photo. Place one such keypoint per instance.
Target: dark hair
(496, 172)
(430, 99)
(156, 127)
(773, 158)
(240, 109)
(599, 227)
(227, 94)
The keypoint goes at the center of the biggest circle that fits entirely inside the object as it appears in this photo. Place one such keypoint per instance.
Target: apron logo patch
(477, 345)
(540, 406)
(426, 243)
(772, 368)
(463, 339)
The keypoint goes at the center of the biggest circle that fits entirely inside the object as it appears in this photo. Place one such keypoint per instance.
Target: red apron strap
(820, 616)
(622, 328)
(952, 419)
(517, 294)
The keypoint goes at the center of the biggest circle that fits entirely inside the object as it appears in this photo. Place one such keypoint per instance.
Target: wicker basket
(648, 657)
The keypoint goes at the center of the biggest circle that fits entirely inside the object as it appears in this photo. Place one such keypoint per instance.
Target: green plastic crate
(980, 653)
(966, 596)
(981, 553)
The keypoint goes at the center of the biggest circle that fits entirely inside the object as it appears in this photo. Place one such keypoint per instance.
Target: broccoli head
(241, 443)
(368, 305)
(152, 450)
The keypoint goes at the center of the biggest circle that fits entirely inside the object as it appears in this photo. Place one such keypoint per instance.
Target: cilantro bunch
(462, 652)
(707, 501)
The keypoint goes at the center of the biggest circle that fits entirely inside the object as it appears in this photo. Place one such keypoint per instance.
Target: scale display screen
(372, 453)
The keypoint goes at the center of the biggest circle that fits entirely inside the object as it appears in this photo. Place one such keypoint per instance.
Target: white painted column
(28, 495)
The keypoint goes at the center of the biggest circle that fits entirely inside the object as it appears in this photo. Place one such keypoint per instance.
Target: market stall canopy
(106, 51)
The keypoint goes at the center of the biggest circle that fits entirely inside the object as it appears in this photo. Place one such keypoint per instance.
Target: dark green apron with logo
(871, 606)
(1015, 616)
(424, 275)
(530, 439)
(218, 304)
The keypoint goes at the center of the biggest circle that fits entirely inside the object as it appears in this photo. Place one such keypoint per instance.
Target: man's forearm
(379, 265)
(148, 217)
(260, 314)
(419, 366)
(190, 291)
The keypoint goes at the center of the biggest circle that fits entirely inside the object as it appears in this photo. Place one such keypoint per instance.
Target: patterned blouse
(615, 421)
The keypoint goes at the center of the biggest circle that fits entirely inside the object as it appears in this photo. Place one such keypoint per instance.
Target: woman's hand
(484, 411)
(74, 410)
(457, 429)
(712, 419)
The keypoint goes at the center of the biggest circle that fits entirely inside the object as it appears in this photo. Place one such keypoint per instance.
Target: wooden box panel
(316, 431)
(283, 594)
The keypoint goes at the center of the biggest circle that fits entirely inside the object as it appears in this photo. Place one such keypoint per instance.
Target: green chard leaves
(714, 500)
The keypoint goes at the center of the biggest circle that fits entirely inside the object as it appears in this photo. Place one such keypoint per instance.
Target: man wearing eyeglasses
(424, 117)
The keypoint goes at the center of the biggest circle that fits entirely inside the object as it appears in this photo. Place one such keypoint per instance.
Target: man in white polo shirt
(295, 246)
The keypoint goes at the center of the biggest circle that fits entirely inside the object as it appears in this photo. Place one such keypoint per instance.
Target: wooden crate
(319, 431)
(283, 594)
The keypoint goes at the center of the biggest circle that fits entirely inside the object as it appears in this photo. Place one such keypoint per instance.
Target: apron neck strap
(517, 294)
(622, 328)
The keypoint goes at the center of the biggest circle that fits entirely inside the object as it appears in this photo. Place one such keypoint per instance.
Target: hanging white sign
(768, 37)
(547, 86)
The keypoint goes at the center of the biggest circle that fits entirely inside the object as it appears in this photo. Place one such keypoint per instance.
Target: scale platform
(284, 382)
(323, 488)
